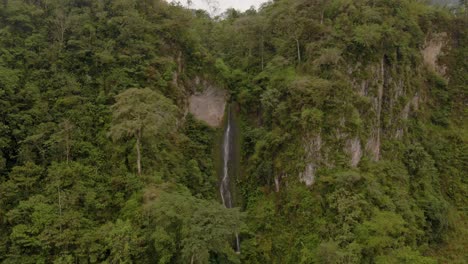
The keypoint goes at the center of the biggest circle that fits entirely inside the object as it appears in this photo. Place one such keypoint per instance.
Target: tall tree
(140, 113)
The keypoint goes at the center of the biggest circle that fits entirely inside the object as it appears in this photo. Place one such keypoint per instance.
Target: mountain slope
(357, 100)
(352, 125)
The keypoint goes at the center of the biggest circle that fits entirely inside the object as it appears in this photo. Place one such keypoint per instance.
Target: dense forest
(352, 132)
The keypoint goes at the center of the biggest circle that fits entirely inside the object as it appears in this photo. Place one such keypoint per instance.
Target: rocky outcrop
(308, 176)
(433, 50)
(354, 149)
(380, 80)
(208, 104)
(313, 155)
(411, 106)
(388, 97)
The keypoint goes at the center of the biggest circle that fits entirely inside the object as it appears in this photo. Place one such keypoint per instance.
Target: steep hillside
(349, 117)
(99, 160)
(354, 130)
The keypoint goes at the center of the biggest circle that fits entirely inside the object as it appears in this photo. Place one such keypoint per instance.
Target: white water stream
(224, 187)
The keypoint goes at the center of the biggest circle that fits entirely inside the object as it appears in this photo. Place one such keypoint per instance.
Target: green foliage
(316, 83)
(137, 111)
(63, 180)
(405, 255)
(198, 149)
(327, 78)
(196, 227)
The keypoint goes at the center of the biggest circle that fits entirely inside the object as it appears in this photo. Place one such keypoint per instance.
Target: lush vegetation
(100, 163)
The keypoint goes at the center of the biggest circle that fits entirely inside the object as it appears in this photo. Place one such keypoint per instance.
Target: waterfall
(225, 187)
(225, 181)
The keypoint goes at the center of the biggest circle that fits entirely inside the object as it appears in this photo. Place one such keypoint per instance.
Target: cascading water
(225, 187)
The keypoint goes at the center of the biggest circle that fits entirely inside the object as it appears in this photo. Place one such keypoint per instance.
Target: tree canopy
(351, 135)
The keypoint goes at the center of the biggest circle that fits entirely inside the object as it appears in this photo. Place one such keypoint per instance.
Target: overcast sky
(225, 4)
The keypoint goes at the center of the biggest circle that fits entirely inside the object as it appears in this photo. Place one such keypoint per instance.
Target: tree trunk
(277, 183)
(60, 207)
(138, 155)
(179, 63)
(262, 52)
(67, 130)
(67, 142)
(298, 50)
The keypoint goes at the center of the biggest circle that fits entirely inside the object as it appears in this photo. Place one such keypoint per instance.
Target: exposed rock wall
(354, 149)
(313, 157)
(373, 143)
(390, 95)
(433, 50)
(208, 104)
(385, 90)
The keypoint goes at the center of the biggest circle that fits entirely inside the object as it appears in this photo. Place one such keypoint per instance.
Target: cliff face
(208, 104)
(391, 96)
(349, 135)
(433, 49)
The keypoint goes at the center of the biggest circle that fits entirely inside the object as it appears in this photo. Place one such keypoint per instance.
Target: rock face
(353, 147)
(433, 49)
(385, 92)
(390, 98)
(313, 148)
(308, 176)
(208, 105)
